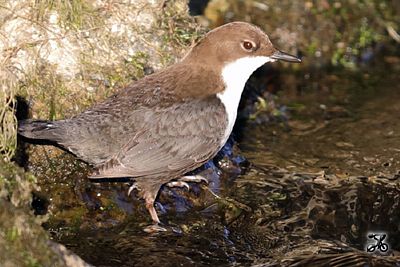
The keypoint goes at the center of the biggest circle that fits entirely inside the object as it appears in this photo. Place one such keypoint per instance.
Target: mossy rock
(23, 241)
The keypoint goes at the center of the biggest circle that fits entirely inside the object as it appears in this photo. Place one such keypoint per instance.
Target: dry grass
(8, 122)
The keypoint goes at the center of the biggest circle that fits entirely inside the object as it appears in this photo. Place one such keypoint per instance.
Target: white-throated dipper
(170, 122)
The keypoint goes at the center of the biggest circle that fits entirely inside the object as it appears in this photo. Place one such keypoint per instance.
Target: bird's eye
(247, 45)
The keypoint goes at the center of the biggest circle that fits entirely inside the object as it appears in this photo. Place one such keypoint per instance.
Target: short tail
(38, 129)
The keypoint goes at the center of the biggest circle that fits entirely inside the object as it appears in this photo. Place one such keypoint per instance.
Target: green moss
(12, 234)
(42, 82)
(183, 29)
(138, 61)
(312, 47)
(25, 243)
(184, 36)
(13, 183)
(30, 261)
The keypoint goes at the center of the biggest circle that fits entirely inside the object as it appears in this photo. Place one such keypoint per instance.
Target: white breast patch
(235, 76)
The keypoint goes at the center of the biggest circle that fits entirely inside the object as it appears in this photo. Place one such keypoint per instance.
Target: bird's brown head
(234, 41)
(225, 58)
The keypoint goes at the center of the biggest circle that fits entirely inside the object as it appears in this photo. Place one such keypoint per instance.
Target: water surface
(319, 182)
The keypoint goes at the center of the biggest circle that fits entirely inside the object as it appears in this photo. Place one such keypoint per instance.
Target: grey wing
(171, 140)
(95, 136)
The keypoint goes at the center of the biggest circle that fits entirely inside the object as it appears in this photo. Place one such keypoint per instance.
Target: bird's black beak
(279, 55)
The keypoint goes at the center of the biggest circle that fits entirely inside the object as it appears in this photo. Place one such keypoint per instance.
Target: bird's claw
(178, 184)
(184, 180)
(131, 188)
(194, 179)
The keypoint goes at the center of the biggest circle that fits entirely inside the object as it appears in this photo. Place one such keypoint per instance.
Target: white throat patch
(235, 76)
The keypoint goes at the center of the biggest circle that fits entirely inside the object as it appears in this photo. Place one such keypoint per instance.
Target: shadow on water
(319, 183)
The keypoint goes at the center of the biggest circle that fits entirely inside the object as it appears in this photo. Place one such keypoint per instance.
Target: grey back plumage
(139, 133)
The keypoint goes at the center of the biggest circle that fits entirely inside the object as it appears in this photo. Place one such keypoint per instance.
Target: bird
(168, 123)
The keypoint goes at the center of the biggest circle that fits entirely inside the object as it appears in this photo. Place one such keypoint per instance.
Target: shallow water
(319, 183)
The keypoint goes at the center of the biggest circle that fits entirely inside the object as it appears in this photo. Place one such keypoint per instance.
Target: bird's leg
(149, 195)
(155, 227)
(149, 200)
